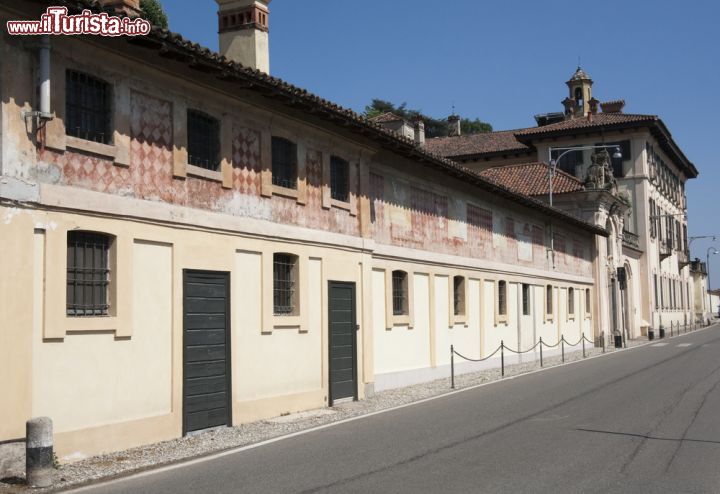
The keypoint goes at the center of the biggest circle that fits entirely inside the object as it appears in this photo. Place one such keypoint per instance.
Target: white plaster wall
(285, 361)
(402, 347)
(94, 379)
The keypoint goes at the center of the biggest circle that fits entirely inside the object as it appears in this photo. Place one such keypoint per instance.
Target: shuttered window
(88, 273)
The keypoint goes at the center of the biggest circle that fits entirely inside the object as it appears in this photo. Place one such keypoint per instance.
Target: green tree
(154, 12)
(434, 127)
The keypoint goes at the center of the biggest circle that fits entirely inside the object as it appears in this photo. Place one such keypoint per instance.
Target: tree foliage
(434, 127)
(154, 12)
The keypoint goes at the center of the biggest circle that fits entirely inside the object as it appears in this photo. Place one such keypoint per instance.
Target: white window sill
(200, 172)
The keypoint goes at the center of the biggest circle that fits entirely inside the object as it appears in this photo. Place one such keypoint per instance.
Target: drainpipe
(44, 73)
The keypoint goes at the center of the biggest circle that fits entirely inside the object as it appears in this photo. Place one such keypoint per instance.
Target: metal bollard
(602, 338)
(502, 358)
(39, 452)
(452, 367)
(583, 342)
(562, 345)
(541, 344)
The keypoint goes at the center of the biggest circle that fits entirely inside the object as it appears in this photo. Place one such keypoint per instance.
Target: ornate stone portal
(600, 174)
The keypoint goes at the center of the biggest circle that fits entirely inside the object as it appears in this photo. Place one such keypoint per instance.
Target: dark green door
(206, 350)
(342, 325)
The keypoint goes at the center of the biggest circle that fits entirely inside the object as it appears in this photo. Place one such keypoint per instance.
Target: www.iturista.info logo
(56, 20)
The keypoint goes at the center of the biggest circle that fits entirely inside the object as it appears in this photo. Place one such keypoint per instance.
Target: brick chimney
(128, 7)
(614, 106)
(243, 26)
(454, 129)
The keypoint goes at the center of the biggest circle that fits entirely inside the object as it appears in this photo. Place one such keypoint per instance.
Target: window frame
(571, 303)
(526, 299)
(292, 183)
(291, 277)
(549, 302)
(71, 108)
(213, 145)
(588, 304)
(400, 294)
(459, 295)
(105, 307)
(335, 162)
(501, 302)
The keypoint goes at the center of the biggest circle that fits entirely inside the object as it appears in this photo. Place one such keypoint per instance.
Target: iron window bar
(284, 163)
(339, 179)
(399, 293)
(88, 109)
(203, 135)
(88, 274)
(284, 284)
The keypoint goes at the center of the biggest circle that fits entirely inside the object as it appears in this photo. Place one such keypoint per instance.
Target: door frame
(352, 285)
(228, 343)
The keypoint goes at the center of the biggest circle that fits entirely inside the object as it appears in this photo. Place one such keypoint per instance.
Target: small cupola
(577, 104)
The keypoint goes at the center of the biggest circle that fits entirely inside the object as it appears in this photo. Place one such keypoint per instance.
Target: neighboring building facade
(191, 243)
(650, 178)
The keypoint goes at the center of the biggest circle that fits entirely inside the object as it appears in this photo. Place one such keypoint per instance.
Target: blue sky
(506, 61)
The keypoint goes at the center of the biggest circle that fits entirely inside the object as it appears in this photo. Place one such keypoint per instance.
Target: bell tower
(577, 104)
(243, 26)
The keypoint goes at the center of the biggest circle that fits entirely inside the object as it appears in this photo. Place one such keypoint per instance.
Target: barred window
(88, 273)
(285, 275)
(571, 301)
(657, 297)
(549, 299)
(400, 293)
(339, 179)
(284, 163)
(587, 301)
(502, 298)
(459, 295)
(203, 137)
(526, 299)
(88, 107)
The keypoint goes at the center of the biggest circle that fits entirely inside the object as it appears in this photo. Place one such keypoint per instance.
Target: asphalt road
(642, 420)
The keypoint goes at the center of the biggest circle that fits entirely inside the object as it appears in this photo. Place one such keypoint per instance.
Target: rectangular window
(571, 301)
(88, 107)
(549, 300)
(339, 179)
(285, 274)
(459, 295)
(653, 219)
(657, 298)
(502, 298)
(400, 293)
(203, 137)
(587, 302)
(526, 299)
(88, 273)
(284, 163)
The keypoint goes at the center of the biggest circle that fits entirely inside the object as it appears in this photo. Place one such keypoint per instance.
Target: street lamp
(707, 267)
(553, 162)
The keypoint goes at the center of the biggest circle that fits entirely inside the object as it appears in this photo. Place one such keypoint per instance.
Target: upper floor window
(400, 293)
(88, 107)
(203, 137)
(526, 299)
(339, 179)
(502, 298)
(88, 273)
(571, 301)
(284, 163)
(285, 276)
(459, 295)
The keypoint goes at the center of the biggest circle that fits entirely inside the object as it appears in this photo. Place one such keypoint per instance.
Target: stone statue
(600, 174)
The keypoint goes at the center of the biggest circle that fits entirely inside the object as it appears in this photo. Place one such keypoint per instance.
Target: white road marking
(659, 344)
(684, 344)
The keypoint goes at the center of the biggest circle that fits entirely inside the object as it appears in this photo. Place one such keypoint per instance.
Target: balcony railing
(631, 239)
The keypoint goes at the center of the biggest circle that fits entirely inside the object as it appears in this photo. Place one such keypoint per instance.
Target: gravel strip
(176, 450)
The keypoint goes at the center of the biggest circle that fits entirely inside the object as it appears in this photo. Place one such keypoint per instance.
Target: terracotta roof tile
(386, 117)
(473, 144)
(598, 120)
(531, 179)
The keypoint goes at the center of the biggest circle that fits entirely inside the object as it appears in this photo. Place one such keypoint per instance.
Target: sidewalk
(226, 438)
